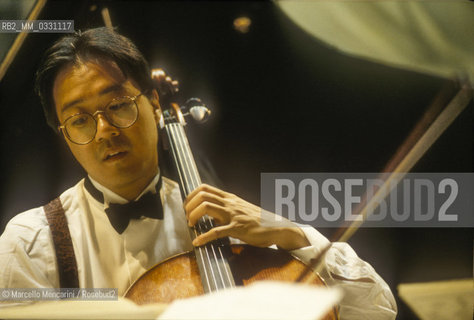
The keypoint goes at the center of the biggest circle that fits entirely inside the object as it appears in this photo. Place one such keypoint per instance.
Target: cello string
(205, 259)
(191, 183)
(219, 256)
(195, 181)
(207, 221)
(183, 183)
(169, 130)
(187, 173)
(429, 137)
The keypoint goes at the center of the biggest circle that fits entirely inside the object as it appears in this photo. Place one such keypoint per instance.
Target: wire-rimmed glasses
(81, 127)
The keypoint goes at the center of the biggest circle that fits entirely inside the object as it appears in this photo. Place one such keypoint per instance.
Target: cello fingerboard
(212, 257)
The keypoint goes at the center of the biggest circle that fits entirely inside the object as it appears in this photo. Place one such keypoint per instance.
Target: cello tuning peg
(164, 84)
(198, 110)
(158, 73)
(200, 113)
(175, 86)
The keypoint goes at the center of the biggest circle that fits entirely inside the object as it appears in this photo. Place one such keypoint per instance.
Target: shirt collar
(112, 197)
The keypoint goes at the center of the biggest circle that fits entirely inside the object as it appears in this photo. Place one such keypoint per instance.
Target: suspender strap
(67, 266)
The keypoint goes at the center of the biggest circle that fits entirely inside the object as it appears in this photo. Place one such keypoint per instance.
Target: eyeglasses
(81, 128)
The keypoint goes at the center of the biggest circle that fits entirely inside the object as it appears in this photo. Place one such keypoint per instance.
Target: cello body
(178, 277)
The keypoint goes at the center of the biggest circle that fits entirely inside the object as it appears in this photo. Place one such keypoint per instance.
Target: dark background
(281, 102)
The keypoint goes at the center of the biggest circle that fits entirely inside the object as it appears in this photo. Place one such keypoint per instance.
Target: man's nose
(105, 130)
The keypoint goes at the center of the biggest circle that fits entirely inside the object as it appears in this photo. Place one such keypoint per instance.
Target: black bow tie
(149, 205)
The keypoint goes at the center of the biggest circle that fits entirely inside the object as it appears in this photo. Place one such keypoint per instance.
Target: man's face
(123, 160)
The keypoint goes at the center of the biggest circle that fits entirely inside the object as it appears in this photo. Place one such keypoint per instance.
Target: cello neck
(211, 258)
(183, 158)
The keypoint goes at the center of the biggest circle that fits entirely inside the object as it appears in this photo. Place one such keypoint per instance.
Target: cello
(217, 265)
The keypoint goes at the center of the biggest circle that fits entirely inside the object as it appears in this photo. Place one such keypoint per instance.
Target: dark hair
(99, 43)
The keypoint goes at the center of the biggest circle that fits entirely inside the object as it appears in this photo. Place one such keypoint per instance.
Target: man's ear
(60, 132)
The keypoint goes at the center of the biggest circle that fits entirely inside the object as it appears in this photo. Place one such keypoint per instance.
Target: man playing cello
(96, 89)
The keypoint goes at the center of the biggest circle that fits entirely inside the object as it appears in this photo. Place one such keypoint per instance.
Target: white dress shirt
(107, 259)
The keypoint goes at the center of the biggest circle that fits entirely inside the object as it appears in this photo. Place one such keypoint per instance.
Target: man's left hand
(240, 219)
